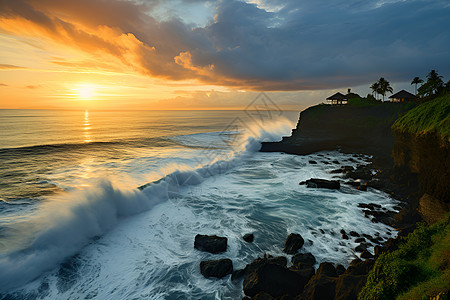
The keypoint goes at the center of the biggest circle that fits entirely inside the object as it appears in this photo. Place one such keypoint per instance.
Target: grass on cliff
(363, 102)
(419, 269)
(430, 117)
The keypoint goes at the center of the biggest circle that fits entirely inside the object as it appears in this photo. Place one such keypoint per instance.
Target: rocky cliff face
(352, 129)
(426, 156)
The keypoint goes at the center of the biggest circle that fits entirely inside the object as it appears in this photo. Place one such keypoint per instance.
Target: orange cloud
(10, 67)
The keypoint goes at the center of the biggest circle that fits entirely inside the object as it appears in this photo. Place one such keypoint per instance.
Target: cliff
(363, 129)
(422, 149)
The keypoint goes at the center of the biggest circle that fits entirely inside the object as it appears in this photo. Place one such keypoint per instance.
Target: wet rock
(354, 234)
(323, 184)
(249, 237)
(313, 162)
(293, 243)
(347, 169)
(359, 267)
(344, 236)
(367, 236)
(362, 247)
(216, 268)
(378, 250)
(327, 269)
(262, 296)
(370, 206)
(340, 269)
(353, 183)
(362, 188)
(385, 217)
(237, 274)
(362, 172)
(274, 280)
(210, 243)
(305, 270)
(322, 285)
(267, 259)
(303, 258)
(366, 255)
(349, 286)
(360, 240)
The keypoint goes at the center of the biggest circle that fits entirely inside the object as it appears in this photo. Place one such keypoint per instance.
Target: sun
(86, 91)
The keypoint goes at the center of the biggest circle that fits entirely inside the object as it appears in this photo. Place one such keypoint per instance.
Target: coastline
(393, 169)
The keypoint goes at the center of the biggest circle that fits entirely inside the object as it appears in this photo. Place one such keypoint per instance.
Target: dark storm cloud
(277, 45)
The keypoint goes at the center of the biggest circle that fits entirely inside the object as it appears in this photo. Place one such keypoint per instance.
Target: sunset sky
(193, 54)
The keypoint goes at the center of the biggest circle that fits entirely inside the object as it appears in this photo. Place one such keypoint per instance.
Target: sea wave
(68, 222)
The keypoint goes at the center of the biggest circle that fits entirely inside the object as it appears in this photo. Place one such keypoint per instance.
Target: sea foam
(66, 223)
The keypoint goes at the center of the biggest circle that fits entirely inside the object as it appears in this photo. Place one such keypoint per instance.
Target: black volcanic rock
(303, 258)
(269, 275)
(323, 184)
(210, 243)
(249, 237)
(366, 255)
(361, 247)
(293, 243)
(274, 280)
(354, 234)
(216, 268)
(359, 267)
(340, 269)
(327, 269)
(322, 285)
(349, 286)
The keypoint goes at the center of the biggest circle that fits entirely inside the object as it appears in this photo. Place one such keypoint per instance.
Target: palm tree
(416, 81)
(433, 85)
(385, 87)
(435, 81)
(375, 88)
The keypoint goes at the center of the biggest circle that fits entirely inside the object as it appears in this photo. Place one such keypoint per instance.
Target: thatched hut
(402, 96)
(337, 99)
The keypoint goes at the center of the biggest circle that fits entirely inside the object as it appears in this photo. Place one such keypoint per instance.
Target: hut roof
(403, 95)
(337, 96)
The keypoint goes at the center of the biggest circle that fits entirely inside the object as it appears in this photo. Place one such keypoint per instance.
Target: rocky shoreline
(358, 131)
(400, 165)
(274, 278)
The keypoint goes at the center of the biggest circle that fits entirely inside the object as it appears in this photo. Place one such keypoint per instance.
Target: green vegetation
(363, 102)
(429, 117)
(419, 269)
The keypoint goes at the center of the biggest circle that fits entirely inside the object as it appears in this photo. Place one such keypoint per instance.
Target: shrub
(418, 269)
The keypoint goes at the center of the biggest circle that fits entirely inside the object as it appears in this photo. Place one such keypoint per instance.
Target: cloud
(264, 45)
(32, 87)
(9, 67)
(3, 84)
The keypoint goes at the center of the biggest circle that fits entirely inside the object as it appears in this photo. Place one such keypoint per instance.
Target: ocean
(106, 204)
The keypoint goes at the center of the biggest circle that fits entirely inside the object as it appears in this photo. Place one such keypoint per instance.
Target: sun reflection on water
(87, 127)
